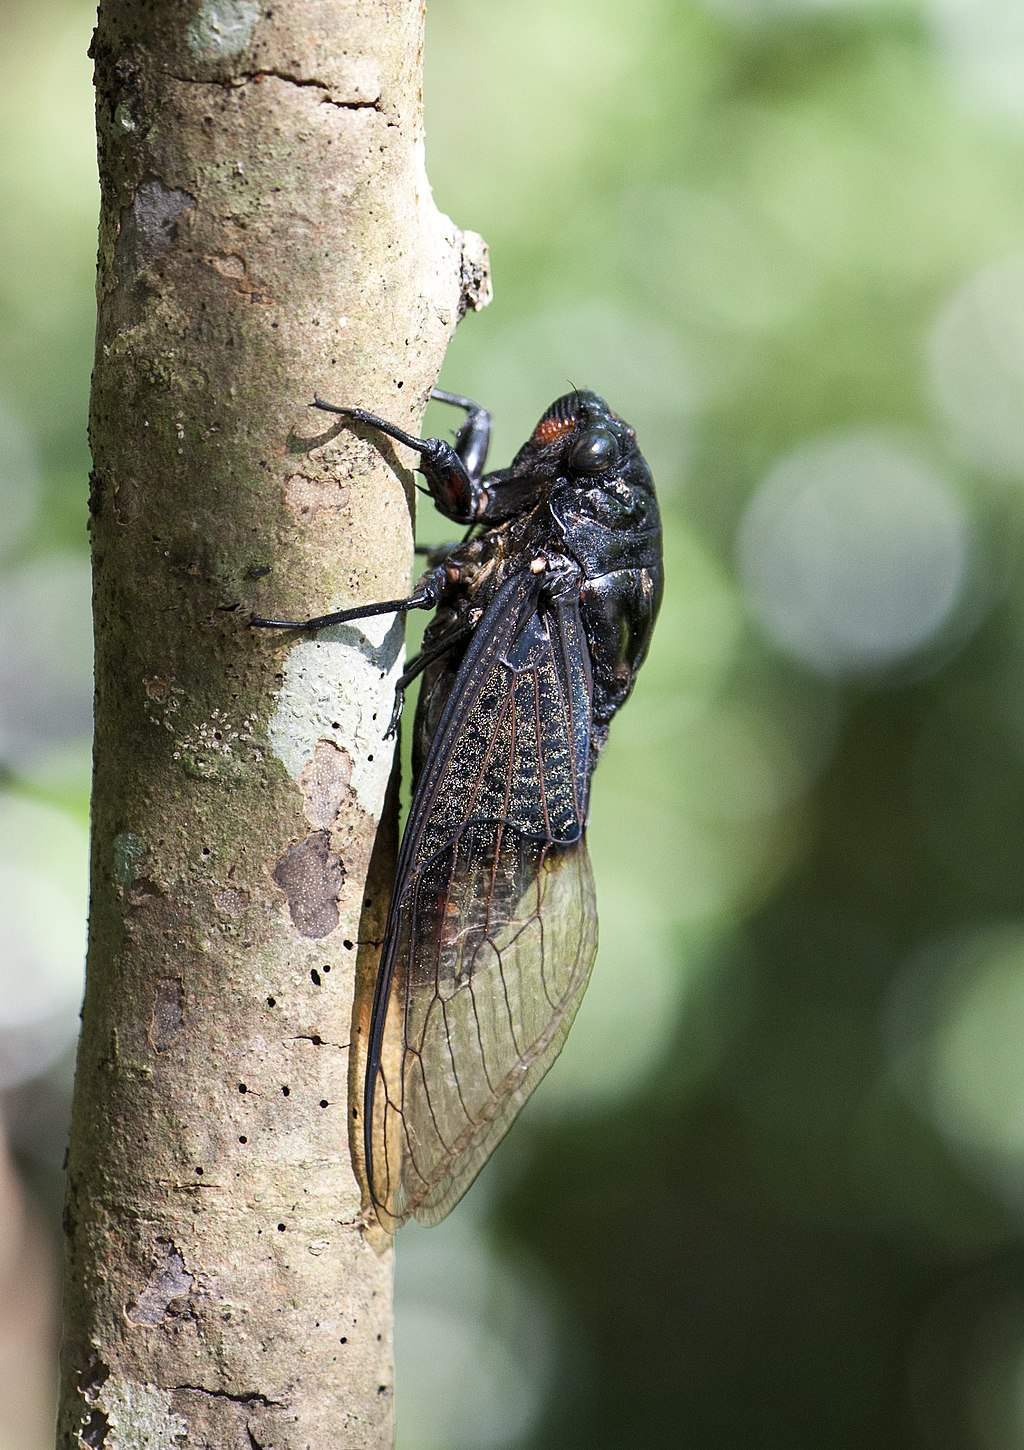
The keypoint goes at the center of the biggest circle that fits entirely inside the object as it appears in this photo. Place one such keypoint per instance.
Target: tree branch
(267, 231)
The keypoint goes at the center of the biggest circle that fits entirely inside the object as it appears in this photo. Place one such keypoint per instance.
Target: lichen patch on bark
(169, 1281)
(326, 783)
(148, 225)
(474, 274)
(231, 901)
(223, 27)
(168, 1013)
(332, 690)
(311, 878)
(308, 496)
(137, 1417)
(128, 851)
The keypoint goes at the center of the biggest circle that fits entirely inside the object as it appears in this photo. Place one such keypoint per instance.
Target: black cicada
(544, 613)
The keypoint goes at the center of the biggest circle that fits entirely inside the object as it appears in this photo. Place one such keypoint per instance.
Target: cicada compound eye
(594, 451)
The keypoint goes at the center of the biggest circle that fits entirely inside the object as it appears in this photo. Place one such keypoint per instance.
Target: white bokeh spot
(853, 552)
(475, 1341)
(981, 43)
(976, 366)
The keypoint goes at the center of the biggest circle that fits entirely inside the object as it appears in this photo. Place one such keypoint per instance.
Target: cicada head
(579, 436)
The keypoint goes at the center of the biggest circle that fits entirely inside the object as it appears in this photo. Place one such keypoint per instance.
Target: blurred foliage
(771, 1194)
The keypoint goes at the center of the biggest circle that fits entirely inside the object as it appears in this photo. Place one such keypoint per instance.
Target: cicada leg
(427, 595)
(452, 481)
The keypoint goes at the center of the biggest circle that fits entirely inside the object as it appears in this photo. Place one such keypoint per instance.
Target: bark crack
(246, 1397)
(244, 78)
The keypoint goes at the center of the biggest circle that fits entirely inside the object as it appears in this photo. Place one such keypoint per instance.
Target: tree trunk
(266, 232)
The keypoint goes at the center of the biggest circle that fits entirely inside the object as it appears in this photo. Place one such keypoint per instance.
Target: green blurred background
(771, 1196)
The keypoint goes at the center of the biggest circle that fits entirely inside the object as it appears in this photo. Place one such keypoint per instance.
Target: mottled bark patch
(127, 854)
(311, 878)
(94, 1429)
(141, 890)
(326, 783)
(235, 271)
(223, 28)
(168, 1013)
(169, 1280)
(232, 901)
(306, 496)
(474, 274)
(149, 225)
(134, 1415)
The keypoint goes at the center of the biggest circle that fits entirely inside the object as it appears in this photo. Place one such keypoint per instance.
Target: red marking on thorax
(550, 429)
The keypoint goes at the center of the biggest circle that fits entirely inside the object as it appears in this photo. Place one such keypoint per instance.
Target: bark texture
(266, 231)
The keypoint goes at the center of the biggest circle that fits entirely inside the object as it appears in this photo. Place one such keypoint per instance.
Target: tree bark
(266, 231)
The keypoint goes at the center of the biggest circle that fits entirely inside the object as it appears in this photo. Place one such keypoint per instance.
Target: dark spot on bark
(324, 1103)
(271, 1001)
(242, 1138)
(347, 945)
(168, 1013)
(314, 977)
(92, 1380)
(327, 966)
(286, 1091)
(96, 490)
(149, 225)
(311, 878)
(343, 1339)
(94, 1429)
(169, 1280)
(280, 1228)
(242, 1088)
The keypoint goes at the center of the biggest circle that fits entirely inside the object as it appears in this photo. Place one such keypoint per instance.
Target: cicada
(543, 614)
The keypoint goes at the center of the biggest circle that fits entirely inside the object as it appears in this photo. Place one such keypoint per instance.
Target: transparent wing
(492, 930)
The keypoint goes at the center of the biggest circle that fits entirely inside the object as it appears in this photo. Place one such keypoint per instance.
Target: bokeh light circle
(982, 45)
(475, 1338)
(976, 367)
(853, 552)
(952, 1029)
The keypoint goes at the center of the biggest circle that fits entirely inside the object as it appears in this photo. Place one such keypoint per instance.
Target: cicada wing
(492, 931)
(479, 1022)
